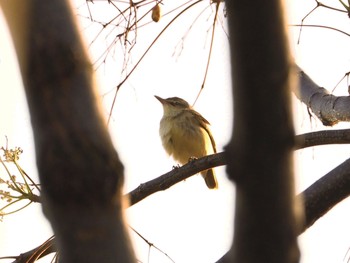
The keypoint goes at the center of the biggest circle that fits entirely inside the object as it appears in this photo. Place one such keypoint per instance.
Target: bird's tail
(210, 179)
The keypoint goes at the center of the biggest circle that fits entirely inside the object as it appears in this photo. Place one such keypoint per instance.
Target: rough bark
(328, 108)
(79, 170)
(259, 154)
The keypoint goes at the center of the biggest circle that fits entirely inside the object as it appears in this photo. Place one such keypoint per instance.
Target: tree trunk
(80, 172)
(259, 154)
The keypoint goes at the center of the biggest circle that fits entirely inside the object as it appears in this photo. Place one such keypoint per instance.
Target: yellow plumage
(185, 134)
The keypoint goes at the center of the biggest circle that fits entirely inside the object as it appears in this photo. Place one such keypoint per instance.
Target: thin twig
(210, 51)
(144, 54)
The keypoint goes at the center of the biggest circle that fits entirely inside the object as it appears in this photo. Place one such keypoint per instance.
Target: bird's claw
(192, 159)
(176, 166)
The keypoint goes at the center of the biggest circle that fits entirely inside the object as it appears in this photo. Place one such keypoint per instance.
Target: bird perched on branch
(185, 134)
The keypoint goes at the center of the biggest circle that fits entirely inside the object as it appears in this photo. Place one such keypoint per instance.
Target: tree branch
(176, 175)
(322, 138)
(313, 197)
(325, 193)
(165, 181)
(328, 108)
(320, 197)
(39, 252)
(160, 183)
(88, 223)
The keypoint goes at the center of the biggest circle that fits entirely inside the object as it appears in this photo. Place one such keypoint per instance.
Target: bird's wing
(204, 124)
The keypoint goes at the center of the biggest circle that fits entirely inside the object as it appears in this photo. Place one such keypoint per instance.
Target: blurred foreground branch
(80, 172)
(259, 154)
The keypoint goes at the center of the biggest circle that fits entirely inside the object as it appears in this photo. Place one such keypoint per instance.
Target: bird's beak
(163, 101)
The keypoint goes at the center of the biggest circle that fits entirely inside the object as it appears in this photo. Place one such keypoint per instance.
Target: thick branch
(328, 108)
(320, 197)
(325, 193)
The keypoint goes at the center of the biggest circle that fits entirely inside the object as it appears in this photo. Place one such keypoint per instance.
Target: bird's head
(173, 105)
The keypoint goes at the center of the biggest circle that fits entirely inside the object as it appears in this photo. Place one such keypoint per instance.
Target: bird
(185, 135)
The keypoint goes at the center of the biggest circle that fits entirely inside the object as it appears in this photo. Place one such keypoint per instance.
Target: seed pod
(156, 13)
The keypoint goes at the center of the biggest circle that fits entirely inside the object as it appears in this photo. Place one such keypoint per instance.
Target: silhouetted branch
(325, 193)
(41, 251)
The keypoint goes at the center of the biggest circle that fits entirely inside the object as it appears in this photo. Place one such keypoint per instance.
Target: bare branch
(313, 197)
(176, 175)
(170, 178)
(41, 251)
(322, 138)
(324, 27)
(325, 193)
(145, 53)
(328, 108)
(217, 3)
(318, 4)
(320, 197)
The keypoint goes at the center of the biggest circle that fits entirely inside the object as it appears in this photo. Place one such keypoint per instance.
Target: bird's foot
(192, 159)
(176, 166)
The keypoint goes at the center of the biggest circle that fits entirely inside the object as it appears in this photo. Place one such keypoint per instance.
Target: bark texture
(80, 172)
(328, 108)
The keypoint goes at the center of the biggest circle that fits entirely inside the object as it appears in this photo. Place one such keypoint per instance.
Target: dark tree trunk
(259, 154)
(80, 172)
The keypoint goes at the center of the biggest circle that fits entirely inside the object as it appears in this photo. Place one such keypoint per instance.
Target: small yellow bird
(185, 134)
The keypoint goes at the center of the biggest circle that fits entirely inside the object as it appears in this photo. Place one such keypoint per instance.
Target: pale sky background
(188, 222)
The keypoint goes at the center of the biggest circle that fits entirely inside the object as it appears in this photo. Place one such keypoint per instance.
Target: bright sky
(188, 222)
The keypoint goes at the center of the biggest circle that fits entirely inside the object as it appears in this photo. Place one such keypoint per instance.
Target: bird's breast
(183, 139)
